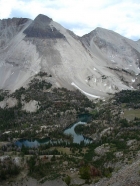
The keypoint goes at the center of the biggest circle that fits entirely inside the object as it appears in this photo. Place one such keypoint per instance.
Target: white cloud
(121, 16)
(6, 7)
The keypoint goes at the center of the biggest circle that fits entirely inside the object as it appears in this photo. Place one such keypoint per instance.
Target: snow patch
(91, 95)
(133, 80)
(7, 132)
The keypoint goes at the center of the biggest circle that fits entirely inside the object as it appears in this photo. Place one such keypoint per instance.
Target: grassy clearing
(62, 149)
(3, 143)
(131, 114)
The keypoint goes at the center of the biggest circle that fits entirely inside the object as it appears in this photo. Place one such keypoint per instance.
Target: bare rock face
(9, 28)
(31, 106)
(119, 52)
(40, 28)
(101, 150)
(8, 103)
(98, 63)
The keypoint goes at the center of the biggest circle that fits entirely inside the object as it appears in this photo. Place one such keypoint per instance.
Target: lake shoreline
(34, 142)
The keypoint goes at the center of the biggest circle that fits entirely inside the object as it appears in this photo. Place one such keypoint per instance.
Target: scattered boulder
(118, 154)
(31, 106)
(106, 131)
(65, 163)
(8, 102)
(131, 142)
(101, 150)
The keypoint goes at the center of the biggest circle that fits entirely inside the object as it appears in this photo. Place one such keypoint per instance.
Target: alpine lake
(77, 138)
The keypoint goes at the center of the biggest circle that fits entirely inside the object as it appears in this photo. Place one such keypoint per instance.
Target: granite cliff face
(98, 63)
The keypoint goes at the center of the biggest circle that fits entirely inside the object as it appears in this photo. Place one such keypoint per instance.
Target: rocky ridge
(97, 64)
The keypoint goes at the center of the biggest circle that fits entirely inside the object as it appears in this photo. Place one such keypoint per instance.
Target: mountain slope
(98, 63)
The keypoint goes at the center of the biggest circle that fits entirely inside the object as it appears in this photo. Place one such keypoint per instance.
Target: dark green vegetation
(82, 129)
(67, 180)
(55, 107)
(115, 138)
(2, 94)
(8, 168)
(1, 98)
(129, 97)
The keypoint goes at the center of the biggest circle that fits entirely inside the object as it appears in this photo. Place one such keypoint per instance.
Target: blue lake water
(77, 138)
(32, 142)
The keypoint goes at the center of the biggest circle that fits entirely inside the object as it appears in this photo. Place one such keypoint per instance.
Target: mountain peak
(43, 18)
(41, 28)
(103, 30)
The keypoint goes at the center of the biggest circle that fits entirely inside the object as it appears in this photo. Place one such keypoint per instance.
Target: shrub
(85, 172)
(67, 180)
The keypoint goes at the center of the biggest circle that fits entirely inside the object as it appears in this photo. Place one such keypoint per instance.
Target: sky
(81, 16)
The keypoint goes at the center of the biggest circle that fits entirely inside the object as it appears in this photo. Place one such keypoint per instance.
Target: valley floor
(112, 159)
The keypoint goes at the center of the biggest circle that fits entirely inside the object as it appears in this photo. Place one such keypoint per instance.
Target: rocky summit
(98, 63)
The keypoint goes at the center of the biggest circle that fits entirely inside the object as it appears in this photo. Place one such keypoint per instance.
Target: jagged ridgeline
(98, 63)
